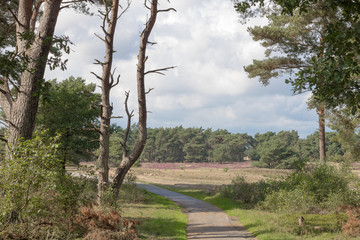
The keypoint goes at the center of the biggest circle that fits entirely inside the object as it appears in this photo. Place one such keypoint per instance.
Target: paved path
(205, 221)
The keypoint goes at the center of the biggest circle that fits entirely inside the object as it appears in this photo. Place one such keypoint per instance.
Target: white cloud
(209, 87)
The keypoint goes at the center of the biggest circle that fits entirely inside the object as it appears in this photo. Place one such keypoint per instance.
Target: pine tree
(291, 43)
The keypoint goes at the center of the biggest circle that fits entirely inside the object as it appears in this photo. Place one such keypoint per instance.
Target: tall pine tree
(291, 43)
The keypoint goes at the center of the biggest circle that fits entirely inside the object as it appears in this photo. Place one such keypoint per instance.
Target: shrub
(245, 192)
(37, 196)
(318, 187)
(289, 201)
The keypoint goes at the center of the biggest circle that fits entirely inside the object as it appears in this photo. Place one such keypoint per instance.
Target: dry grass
(203, 175)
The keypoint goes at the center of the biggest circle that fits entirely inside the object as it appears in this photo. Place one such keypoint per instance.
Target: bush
(289, 201)
(318, 187)
(245, 192)
(38, 198)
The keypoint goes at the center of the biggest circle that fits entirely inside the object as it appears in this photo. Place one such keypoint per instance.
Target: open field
(202, 174)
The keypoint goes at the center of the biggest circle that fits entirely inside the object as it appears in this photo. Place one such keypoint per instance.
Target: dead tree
(110, 17)
(129, 158)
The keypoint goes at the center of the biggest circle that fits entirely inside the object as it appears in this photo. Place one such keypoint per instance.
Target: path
(205, 221)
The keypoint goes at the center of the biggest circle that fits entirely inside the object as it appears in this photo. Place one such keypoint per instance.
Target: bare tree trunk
(129, 159)
(21, 111)
(322, 145)
(106, 108)
(135, 153)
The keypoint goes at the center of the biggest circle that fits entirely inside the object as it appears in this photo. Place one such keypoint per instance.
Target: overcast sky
(209, 88)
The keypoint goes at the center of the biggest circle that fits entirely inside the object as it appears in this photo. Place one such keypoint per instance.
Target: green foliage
(278, 150)
(71, 108)
(319, 187)
(35, 190)
(336, 62)
(347, 125)
(248, 193)
(271, 150)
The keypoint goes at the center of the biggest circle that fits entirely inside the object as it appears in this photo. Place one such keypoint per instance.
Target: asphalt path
(205, 221)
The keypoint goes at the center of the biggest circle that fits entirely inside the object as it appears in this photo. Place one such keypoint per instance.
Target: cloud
(209, 87)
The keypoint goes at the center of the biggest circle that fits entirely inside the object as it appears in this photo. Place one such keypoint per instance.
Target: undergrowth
(325, 197)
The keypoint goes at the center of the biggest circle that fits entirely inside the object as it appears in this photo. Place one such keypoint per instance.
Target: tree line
(284, 149)
(71, 108)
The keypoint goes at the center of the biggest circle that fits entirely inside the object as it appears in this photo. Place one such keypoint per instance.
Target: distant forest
(272, 150)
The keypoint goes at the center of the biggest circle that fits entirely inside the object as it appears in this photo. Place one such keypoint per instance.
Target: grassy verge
(159, 217)
(274, 226)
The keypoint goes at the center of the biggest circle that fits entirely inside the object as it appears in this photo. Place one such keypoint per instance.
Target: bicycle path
(205, 221)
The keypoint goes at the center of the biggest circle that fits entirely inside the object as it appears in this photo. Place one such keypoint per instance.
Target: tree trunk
(106, 109)
(129, 160)
(322, 144)
(21, 111)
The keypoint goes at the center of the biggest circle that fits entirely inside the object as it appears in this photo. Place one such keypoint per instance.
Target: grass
(159, 217)
(276, 226)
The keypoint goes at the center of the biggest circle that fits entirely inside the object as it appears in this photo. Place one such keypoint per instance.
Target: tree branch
(129, 116)
(150, 89)
(167, 10)
(128, 3)
(97, 76)
(160, 70)
(34, 15)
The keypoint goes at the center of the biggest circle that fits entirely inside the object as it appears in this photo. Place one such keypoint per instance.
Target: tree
(196, 149)
(333, 77)
(70, 108)
(22, 77)
(110, 17)
(130, 157)
(298, 39)
(347, 126)
(280, 151)
(231, 148)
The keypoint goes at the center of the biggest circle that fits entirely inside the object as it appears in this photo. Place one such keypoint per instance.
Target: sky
(208, 88)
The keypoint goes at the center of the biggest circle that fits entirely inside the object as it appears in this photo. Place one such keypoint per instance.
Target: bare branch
(129, 116)
(116, 117)
(102, 39)
(160, 70)
(112, 84)
(146, 6)
(128, 3)
(152, 43)
(97, 76)
(98, 62)
(167, 10)
(150, 89)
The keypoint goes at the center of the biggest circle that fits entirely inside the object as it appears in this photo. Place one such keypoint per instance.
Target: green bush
(37, 196)
(318, 187)
(296, 200)
(245, 192)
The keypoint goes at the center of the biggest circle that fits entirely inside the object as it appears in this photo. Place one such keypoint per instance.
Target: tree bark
(106, 109)
(21, 111)
(129, 160)
(322, 143)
